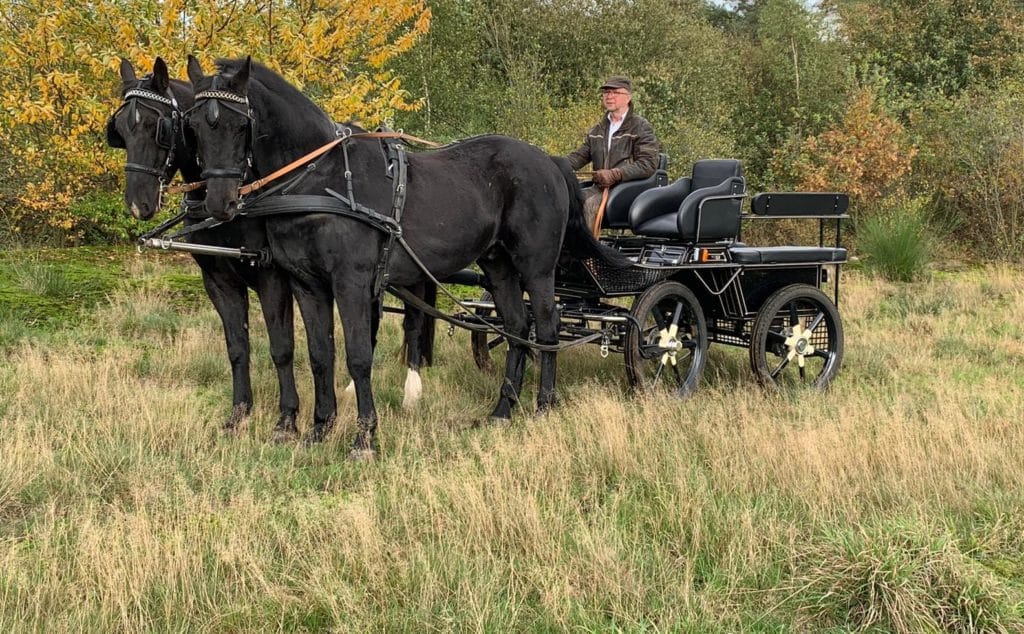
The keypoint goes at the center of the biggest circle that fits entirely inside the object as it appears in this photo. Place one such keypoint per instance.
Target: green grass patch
(897, 243)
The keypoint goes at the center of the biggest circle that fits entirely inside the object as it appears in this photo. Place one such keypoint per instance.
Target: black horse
(148, 126)
(494, 200)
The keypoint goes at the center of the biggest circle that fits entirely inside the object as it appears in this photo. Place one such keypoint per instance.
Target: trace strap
(323, 149)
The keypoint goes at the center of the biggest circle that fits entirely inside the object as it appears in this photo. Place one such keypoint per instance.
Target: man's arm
(581, 156)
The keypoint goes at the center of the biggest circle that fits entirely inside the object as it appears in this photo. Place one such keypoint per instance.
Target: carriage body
(767, 299)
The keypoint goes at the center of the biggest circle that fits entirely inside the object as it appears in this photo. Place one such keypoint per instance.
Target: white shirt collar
(613, 126)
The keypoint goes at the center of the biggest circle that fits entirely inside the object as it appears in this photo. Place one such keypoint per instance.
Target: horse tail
(579, 241)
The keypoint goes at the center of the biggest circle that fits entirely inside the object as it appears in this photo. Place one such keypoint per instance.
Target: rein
(323, 149)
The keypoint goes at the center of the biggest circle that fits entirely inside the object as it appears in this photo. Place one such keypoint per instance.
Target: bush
(100, 218)
(975, 166)
(897, 243)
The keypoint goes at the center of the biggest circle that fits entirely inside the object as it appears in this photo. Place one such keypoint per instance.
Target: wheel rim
(668, 345)
(799, 348)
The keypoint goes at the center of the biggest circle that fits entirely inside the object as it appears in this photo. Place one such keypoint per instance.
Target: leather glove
(606, 178)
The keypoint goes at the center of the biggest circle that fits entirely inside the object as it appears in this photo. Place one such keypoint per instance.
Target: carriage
(694, 281)
(492, 200)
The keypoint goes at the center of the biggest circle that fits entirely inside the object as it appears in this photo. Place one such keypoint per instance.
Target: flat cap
(618, 82)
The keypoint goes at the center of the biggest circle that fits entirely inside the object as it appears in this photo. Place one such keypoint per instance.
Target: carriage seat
(818, 205)
(621, 197)
(703, 207)
(788, 255)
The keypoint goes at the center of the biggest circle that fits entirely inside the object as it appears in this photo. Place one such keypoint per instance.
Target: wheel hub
(669, 342)
(799, 345)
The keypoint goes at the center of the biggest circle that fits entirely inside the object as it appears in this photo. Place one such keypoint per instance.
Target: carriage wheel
(484, 342)
(797, 339)
(670, 348)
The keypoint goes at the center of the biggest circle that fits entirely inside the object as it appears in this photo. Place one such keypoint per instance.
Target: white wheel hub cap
(799, 344)
(668, 340)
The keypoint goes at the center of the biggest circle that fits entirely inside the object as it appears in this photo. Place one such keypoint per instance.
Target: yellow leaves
(60, 74)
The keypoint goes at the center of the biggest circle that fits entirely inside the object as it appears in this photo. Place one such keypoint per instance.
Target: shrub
(100, 218)
(975, 166)
(897, 243)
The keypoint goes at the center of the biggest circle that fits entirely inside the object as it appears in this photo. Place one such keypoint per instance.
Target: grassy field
(894, 502)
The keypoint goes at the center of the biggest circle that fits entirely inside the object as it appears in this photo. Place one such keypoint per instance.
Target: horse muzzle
(222, 198)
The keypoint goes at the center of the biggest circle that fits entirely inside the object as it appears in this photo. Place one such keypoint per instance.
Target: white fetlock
(413, 389)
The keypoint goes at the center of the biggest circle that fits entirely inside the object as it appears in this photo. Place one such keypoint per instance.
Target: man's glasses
(614, 92)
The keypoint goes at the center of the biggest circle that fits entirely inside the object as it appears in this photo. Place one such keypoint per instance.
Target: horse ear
(127, 72)
(240, 82)
(195, 71)
(161, 78)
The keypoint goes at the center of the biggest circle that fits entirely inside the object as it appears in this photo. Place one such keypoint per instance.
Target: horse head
(220, 125)
(146, 125)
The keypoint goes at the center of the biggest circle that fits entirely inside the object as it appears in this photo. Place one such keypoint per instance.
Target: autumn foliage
(866, 154)
(59, 78)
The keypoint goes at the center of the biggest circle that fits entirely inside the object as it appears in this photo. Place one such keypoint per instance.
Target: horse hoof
(313, 437)
(498, 422)
(362, 455)
(284, 436)
(239, 414)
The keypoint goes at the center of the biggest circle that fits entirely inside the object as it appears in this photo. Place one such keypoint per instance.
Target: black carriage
(695, 281)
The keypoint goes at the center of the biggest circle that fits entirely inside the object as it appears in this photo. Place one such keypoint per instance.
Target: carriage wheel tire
(484, 342)
(797, 339)
(648, 366)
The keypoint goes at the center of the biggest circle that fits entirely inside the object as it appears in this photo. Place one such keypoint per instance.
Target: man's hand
(607, 178)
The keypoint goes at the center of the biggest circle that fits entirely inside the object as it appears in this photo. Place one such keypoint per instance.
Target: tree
(60, 83)
(941, 46)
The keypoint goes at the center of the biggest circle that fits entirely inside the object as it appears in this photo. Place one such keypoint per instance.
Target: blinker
(213, 113)
(133, 115)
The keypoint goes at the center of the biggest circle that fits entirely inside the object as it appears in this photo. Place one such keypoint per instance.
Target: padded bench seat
(787, 255)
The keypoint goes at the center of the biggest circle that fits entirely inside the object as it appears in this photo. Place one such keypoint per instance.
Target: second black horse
(493, 200)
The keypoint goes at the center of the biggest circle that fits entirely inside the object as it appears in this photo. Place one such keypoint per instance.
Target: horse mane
(275, 85)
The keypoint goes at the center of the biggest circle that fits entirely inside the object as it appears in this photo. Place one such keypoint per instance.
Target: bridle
(218, 99)
(168, 130)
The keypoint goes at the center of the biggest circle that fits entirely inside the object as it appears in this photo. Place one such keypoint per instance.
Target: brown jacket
(634, 148)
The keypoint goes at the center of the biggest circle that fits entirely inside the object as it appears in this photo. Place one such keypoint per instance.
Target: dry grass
(891, 503)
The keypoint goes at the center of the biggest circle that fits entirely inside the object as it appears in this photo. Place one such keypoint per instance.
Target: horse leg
(376, 316)
(275, 295)
(508, 300)
(413, 324)
(546, 320)
(230, 298)
(356, 308)
(427, 326)
(318, 316)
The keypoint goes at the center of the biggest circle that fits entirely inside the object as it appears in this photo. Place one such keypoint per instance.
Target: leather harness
(267, 204)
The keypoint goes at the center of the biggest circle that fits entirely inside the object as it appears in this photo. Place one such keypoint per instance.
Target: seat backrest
(702, 217)
(711, 172)
(800, 204)
(616, 211)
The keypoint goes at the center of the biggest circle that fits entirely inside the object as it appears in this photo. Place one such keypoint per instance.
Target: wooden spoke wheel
(668, 350)
(797, 339)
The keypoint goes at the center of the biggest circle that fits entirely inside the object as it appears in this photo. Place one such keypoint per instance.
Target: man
(622, 146)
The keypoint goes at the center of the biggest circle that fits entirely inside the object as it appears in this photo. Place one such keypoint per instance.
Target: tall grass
(897, 243)
(891, 503)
